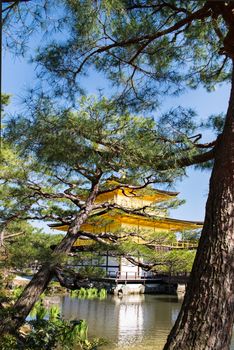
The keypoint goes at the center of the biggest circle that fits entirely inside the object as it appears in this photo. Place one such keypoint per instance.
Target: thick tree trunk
(41, 279)
(206, 318)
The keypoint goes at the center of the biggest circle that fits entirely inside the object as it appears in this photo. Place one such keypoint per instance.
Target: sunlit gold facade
(148, 221)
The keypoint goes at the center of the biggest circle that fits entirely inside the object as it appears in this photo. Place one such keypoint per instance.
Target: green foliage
(95, 135)
(193, 235)
(28, 19)
(55, 288)
(175, 261)
(54, 333)
(89, 293)
(215, 122)
(102, 294)
(123, 39)
(91, 271)
(5, 283)
(5, 99)
(8, 342)
(40, 311)
(50, 183)
(16, 292)
(27, 245)
(47, 331)
(13, 170)
(54, 313)
(58, 335)
(143, 246)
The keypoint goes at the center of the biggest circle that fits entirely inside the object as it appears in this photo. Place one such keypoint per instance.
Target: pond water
(131, 322)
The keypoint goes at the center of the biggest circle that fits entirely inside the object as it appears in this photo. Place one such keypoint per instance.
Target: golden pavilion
(133, 210)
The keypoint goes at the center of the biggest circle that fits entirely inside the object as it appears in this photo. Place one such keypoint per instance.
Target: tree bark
(41, 279)
(27, 300)
(206, 318)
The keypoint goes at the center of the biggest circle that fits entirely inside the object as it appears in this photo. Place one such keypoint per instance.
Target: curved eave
(139, 220)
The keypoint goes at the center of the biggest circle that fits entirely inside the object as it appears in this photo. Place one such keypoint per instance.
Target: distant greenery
(191, 235)
(27, 245)
(165, 261)
(92, 271)
(177, 261)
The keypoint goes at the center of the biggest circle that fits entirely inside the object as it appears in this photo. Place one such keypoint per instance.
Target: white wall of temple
(128, 270)
(116, 266)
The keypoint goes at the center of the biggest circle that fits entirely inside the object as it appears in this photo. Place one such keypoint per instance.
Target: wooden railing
(177, 245)
(135, 276)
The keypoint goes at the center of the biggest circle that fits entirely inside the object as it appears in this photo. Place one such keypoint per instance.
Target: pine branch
(66, 195)
(158, 7)
(70, 279)
(149, 180)
(145, 266)
(200, 14)
(13, 235)
(188, 161)
(109, 239)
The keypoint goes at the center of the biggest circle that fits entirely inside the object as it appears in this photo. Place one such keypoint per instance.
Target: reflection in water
(130, 318)
(134, 321)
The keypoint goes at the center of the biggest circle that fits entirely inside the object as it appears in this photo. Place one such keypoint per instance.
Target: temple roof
(132, 200)
(116, 217)
(145, 194)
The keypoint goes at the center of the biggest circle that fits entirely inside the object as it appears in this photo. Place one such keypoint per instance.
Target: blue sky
(19, 75)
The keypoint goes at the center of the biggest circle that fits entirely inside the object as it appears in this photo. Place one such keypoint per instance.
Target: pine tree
(153, 48)
(64, 159)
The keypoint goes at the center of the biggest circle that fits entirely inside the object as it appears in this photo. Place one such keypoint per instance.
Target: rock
(20, 281)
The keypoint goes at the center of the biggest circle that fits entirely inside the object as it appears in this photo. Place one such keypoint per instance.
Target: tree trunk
(27, 300)
(41, 279)
(206, 318)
